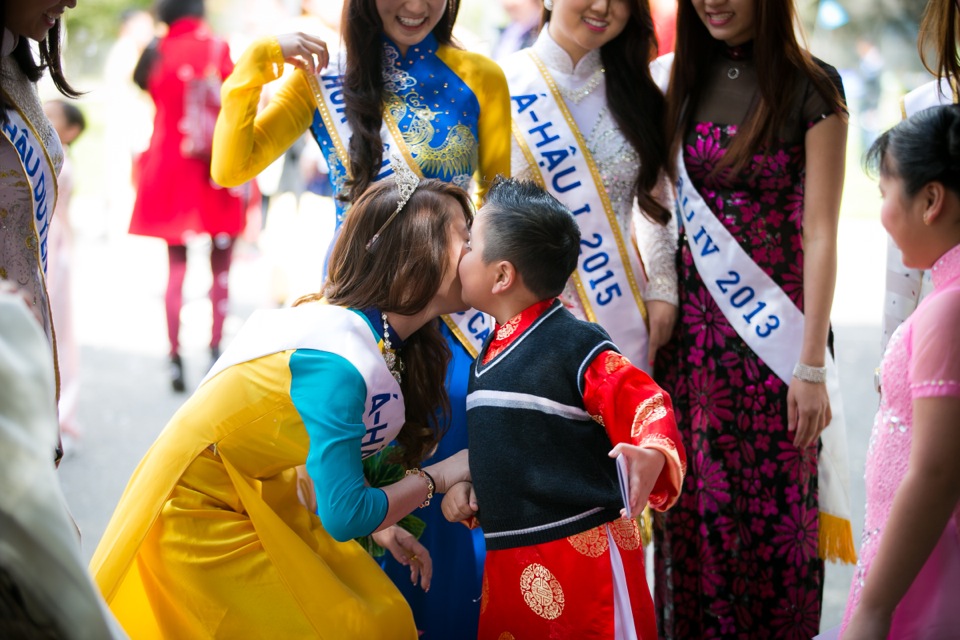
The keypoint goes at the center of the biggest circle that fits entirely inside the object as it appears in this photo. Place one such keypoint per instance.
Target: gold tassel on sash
(836, 540)
(645, 520)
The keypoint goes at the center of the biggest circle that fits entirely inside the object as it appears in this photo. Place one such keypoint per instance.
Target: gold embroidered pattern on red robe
(626, 533)
(508, 328)
(614, 362)
(591, 543)
(650, 410)
(542, 591)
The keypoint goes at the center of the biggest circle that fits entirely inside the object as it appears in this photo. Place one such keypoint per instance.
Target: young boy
(549, 395)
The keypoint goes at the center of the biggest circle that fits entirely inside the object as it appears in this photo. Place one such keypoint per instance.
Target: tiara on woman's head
(407, 182)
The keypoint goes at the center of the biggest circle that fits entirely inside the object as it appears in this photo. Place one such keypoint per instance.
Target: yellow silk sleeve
(488, 83)
(246, 141)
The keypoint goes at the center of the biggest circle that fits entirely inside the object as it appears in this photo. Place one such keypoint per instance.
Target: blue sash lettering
(555, 181)
(739, 297)
(479, 320)
(524, 101)
(595, 261)
(542, 130)
(708, 246)
(31, 155)
(337, 101)
(372, 439)
(556, 157)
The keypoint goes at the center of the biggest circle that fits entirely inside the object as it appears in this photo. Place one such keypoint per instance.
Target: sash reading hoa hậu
(335, 330)
(608, 271)
(766, 319)
(40, 173)
(470, 327)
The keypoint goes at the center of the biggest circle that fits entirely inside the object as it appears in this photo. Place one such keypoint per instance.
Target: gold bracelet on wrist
(428, 479)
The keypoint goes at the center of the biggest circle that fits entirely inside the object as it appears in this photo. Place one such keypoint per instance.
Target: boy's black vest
(539, 462)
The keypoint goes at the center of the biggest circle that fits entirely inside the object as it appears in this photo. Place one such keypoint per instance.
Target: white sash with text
(335, 330)
(608, 274)
(39, 172)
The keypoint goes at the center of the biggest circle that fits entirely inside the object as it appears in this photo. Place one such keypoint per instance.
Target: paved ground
(126, 398)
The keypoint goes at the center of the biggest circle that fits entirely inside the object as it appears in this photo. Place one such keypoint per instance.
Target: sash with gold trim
(335, 330)
(470, 327)
(609, 276)
(768, 321)
(40, 173)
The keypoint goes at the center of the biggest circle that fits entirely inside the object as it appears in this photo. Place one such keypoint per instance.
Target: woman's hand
(662, 316)
(643, 468)
(304, 51)
(808, 411)
(407, 550)
(450, 471)
(459, 502)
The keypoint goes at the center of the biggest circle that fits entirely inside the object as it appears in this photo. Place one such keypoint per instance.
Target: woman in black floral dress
(761, 128)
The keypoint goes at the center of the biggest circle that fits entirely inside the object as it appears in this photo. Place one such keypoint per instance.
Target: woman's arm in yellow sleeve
(246, 142)
(489, 85)
(493, 128)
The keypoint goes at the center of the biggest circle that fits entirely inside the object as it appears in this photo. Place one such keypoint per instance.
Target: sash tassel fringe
(836, 540)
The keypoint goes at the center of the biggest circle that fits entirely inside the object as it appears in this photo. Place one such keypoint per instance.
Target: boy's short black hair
(531, 229)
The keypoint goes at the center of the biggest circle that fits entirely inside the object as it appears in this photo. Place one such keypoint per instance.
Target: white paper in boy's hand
(624, 483)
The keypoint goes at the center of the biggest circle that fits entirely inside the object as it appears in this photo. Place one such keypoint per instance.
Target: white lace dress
(584, 89)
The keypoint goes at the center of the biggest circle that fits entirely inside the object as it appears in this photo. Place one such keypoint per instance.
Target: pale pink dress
(922, 360)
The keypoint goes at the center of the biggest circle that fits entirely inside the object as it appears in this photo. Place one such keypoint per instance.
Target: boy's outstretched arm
(638, 414)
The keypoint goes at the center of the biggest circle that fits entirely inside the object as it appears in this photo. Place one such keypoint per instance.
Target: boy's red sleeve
(633, 409)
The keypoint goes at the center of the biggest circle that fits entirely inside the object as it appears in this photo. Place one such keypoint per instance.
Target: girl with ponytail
(909, 565)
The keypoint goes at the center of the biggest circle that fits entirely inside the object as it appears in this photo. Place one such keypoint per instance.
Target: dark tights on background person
(220, 255)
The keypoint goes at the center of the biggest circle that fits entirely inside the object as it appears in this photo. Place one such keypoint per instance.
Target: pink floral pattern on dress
(737, 555)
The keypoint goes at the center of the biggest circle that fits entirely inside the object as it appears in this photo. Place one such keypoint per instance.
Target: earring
(548, 5)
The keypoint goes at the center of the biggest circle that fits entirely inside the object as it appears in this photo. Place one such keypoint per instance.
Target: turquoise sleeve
(329, 394)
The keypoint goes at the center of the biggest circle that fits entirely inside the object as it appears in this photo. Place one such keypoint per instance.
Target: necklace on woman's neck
(390, 355)
(577, 95)
(736, 56)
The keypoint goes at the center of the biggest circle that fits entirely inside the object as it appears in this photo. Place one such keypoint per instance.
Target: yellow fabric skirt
(231, 557)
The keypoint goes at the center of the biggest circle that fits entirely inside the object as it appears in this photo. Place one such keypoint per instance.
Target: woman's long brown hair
(363, 86)
(938, 31)
(637, 105)
(781, 64)
(50, 58)
(402, 275)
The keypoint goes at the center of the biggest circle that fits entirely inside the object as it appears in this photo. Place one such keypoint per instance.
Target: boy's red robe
(565, 588)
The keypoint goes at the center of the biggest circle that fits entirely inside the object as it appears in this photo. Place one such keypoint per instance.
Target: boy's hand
(460, 502)
(643, 469)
